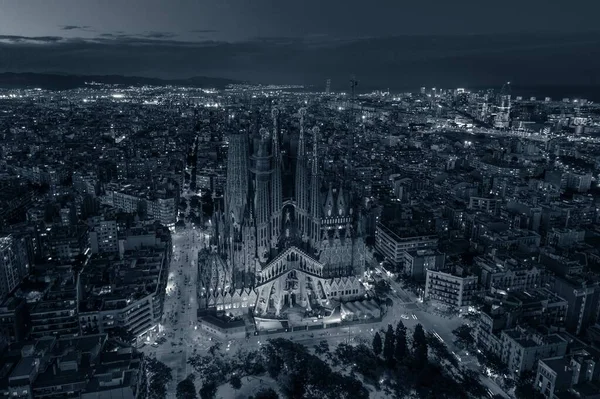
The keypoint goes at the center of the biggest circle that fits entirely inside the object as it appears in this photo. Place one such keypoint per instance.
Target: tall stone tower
(315, 194)
(261, 168)
(301, 189)
(236, 199)
(276, 189)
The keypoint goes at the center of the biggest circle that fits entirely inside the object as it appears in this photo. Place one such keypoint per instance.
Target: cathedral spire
(315, 166)
(236, 190)
(302, 178)
(276, 193)
(301, 142)
(315, 193)
(262, 195)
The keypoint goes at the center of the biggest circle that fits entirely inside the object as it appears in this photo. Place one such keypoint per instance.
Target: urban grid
(229, 239)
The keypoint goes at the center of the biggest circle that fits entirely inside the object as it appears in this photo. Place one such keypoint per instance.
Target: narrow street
(179, 324)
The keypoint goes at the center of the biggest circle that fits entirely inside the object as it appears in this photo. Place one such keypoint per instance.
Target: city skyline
(267, 199)
(392, 45)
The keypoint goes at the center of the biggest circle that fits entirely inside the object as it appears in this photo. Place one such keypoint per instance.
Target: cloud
(158, 35)
(381, 62)
(75, 27)
(204, 31)
(29, 39)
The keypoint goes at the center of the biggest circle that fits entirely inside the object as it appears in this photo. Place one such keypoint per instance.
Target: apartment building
(450, 289)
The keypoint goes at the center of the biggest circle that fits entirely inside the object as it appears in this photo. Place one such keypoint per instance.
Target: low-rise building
(507, 274)
(392, 244)
(484, 204)
(160, 204)
(103, 237)
(223, 329)
(523, 347)
(73, 367)
(540, 307)
(66, 242)
(127, 290)
(55, 313)
(564, 238)
(574, 375)
(452, 290)
(417, 262)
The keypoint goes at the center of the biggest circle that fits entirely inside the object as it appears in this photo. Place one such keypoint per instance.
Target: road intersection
(184, 338)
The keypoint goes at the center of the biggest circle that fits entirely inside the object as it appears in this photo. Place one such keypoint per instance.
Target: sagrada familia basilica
(288, 237)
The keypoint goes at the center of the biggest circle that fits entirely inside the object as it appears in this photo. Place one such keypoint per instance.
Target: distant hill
(57, 81)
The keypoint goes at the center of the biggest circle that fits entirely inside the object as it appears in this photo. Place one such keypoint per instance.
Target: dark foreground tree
(419, 347)
(236, 382)
(400, 348)
(159, 375)
(440, 350)
(186, 388)
(464, 335)
(377, 344)
(208, 390)
(322, 348)
(388, 345)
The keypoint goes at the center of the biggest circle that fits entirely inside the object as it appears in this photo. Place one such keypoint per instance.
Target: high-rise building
(296, 252)
(502, 119)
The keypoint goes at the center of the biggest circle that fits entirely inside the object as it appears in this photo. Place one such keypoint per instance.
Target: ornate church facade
(278, 253)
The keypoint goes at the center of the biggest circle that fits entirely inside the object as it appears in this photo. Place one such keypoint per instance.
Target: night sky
(386, 43)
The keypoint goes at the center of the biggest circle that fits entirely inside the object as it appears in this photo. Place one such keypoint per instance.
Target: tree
(525, 386)
(266, 393)
(377, 344)
(464, 335)
(214, 348)
(471, 317)
(419, 347)
(236, 382)
(493, 362)
(388, 345)
(472, 383)
(195, 202)
(208, 390)
(159, 375)
(186, 388)
(122, 334)
(322, 348)
(440, 350)
(400, 348)
(183, 204)
(382, 288)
